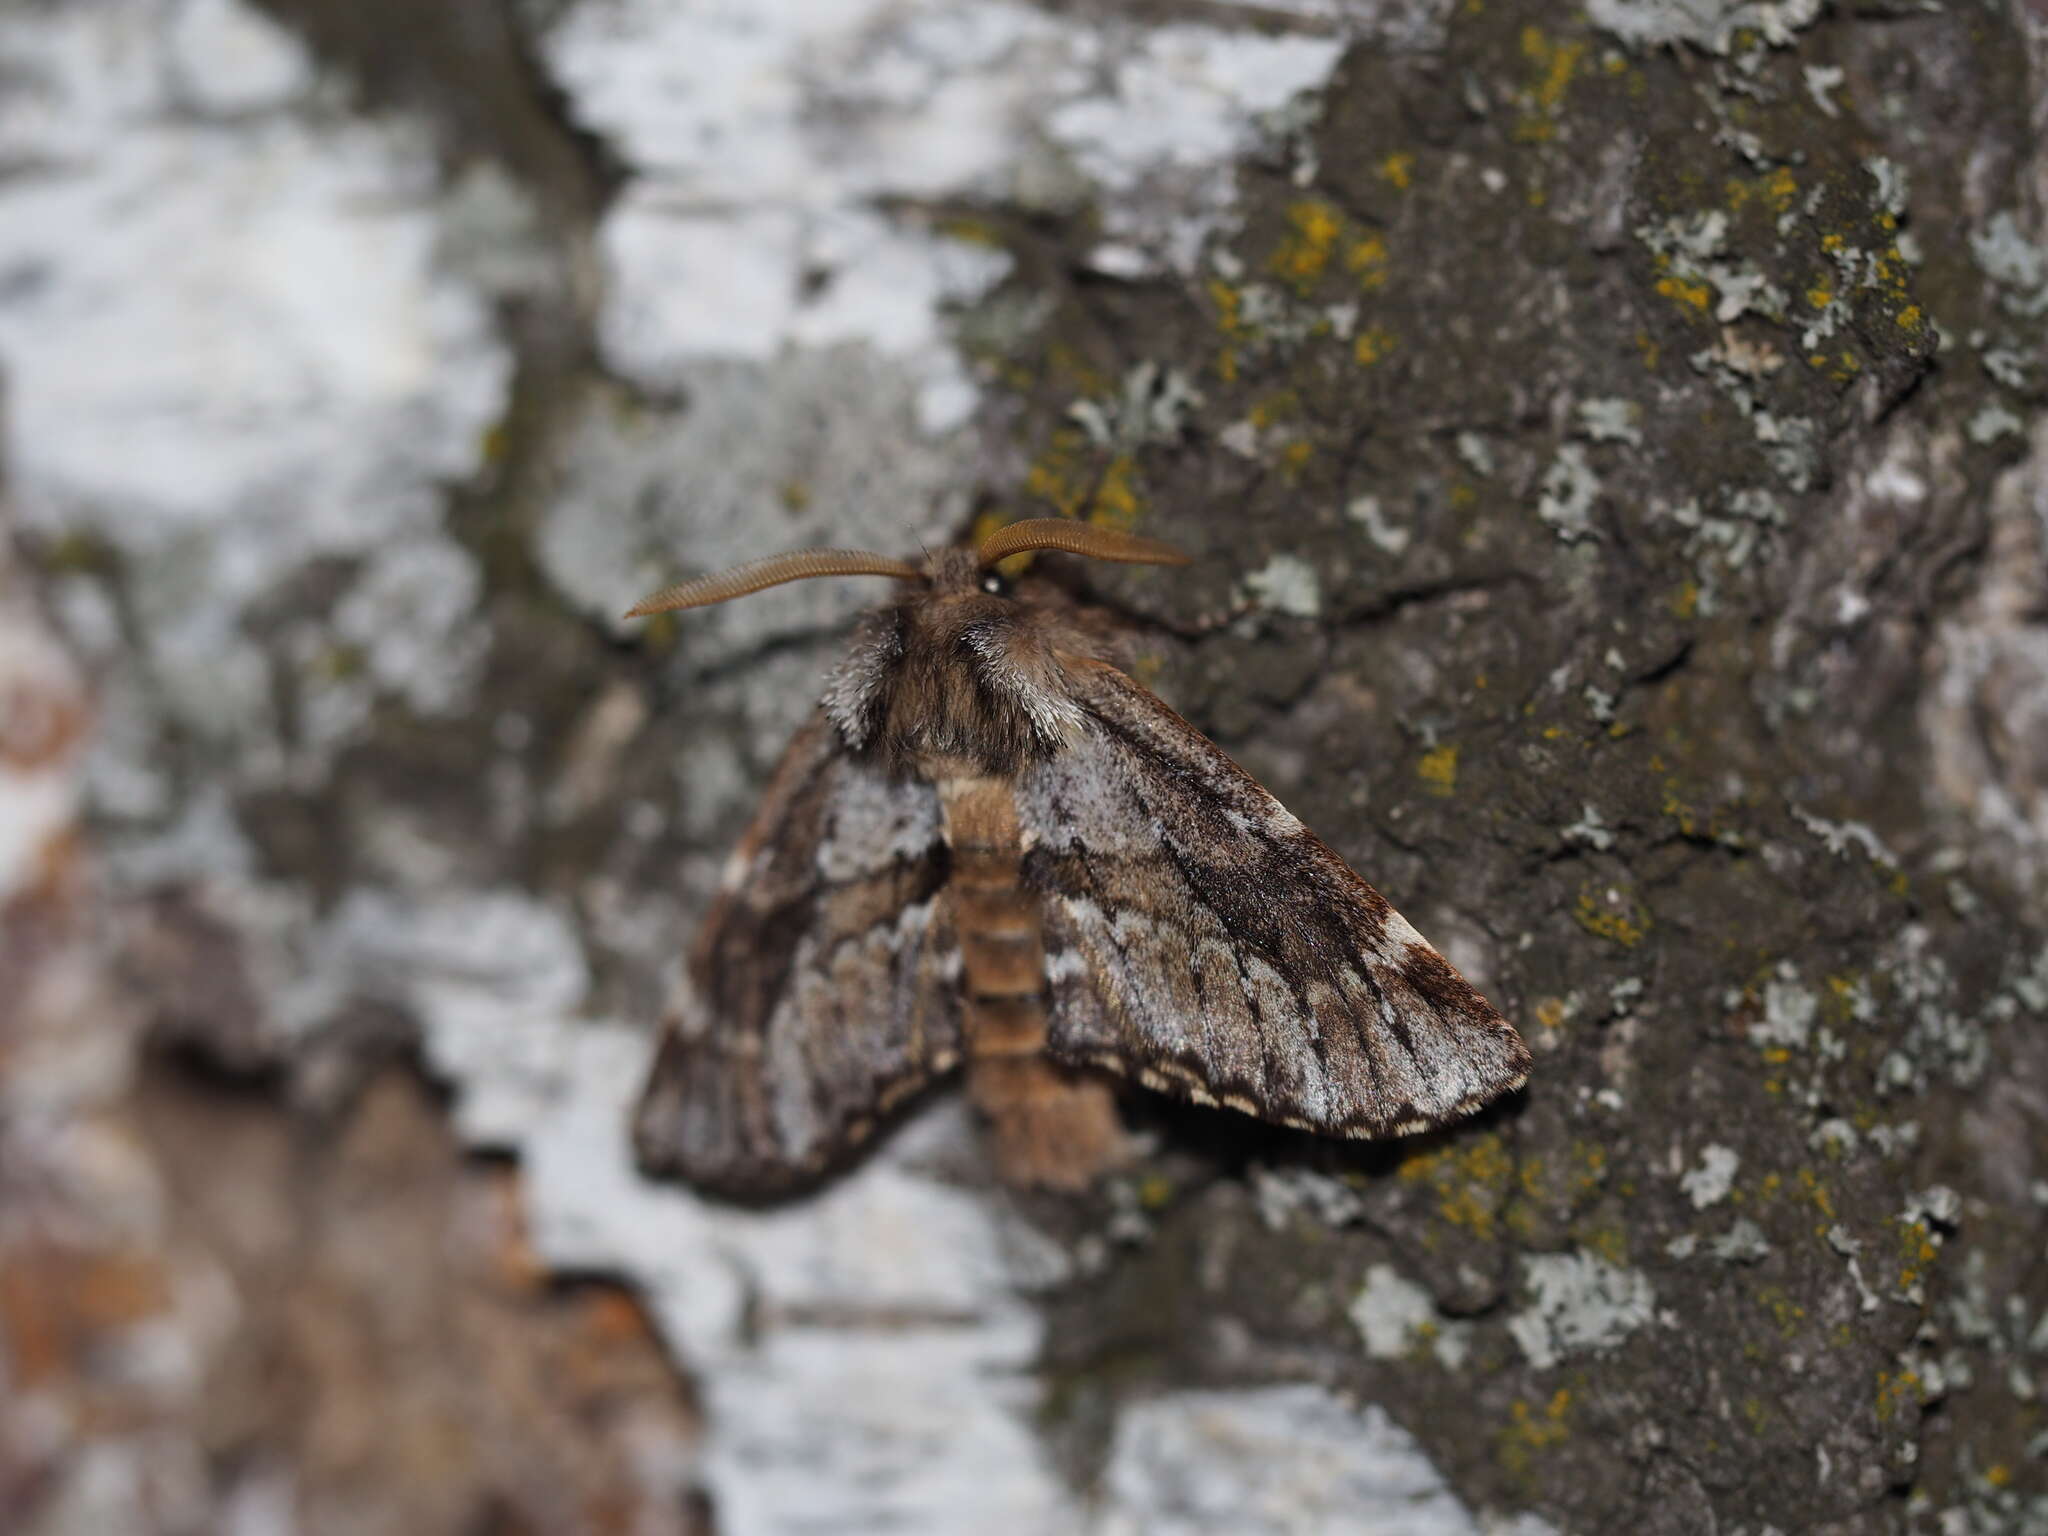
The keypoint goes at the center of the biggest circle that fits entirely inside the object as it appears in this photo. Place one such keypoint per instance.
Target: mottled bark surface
(1623, 433)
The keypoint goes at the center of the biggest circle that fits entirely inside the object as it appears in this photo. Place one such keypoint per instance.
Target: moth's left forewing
(1202, 941)
(823, 988)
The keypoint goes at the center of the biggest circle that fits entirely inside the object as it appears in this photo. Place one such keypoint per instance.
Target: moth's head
(954, 667)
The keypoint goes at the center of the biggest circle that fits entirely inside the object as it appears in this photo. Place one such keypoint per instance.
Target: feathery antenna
(721, 586)
(1076, 538)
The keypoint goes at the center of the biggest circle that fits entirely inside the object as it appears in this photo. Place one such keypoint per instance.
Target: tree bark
(1613, 444)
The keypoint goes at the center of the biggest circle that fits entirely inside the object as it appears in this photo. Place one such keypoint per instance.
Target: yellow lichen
(971, 231)
(1116, 503)
(1472, 1180)
(1367, 260)
(1554, 62)
(1817, 1192)
(1229, 304)
(1373, 343)
(1439, 769)
(1697, 295)
(1398, 169)
(1608, 1242)
(1274, 408)
(1076, 484)
(1605, 916)
(1530, 1429)
(1785, 1312)
(1896, 1392)
(1679, 811)
(1304, 254)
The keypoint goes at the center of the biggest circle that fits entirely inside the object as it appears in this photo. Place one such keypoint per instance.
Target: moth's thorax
(949, 672)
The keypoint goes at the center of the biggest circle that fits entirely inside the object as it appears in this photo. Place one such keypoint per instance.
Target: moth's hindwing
(1202, 941)
(824, 985)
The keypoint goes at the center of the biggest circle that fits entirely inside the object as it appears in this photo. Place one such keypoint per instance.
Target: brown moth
(990, 848)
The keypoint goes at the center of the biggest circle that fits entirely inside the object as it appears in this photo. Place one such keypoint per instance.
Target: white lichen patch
(2016, 263)
(1940, 1041)
(1152, 405)
(1579, 1304)
(1385, 533)
(1822, 81)
(1737, 366)
(412, 617)
(493, 976)
(1611, 420)
(1729, 537)
(1743, 1243)
(1476, 454)
(1568, 491)
(1938, 1206)
(763, 145)
(264, 323)
(2008, 366)
(1286, 584)
(1712, 25)
(1273, 1462)
(1835, 1137)
(1893, 184)
(865, 1355)
(1282, 1194)
(1992, 421)
(1392, 1313)
(1590, 829)
(1709, 1183)
(1694, 248)
(1788, 1014)
(1838, 837)
(644, 500)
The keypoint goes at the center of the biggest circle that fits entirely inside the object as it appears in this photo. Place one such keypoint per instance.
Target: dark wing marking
(1201, 940)
(824, 985)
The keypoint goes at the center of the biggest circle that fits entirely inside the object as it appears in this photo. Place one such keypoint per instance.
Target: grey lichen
(1580, 1303)
(1569, 488)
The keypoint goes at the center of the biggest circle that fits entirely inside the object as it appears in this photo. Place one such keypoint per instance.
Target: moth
(990, 849)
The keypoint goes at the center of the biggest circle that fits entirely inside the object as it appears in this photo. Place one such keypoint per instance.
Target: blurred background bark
(1626, 429)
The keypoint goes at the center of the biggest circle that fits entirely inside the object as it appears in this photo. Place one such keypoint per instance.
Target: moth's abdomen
(1050, 1125)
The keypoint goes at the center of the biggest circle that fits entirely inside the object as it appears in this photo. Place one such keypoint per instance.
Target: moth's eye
(994, 584)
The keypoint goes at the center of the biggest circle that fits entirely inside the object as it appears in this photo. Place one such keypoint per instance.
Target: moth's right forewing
(823, 986)
(1201, 940)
